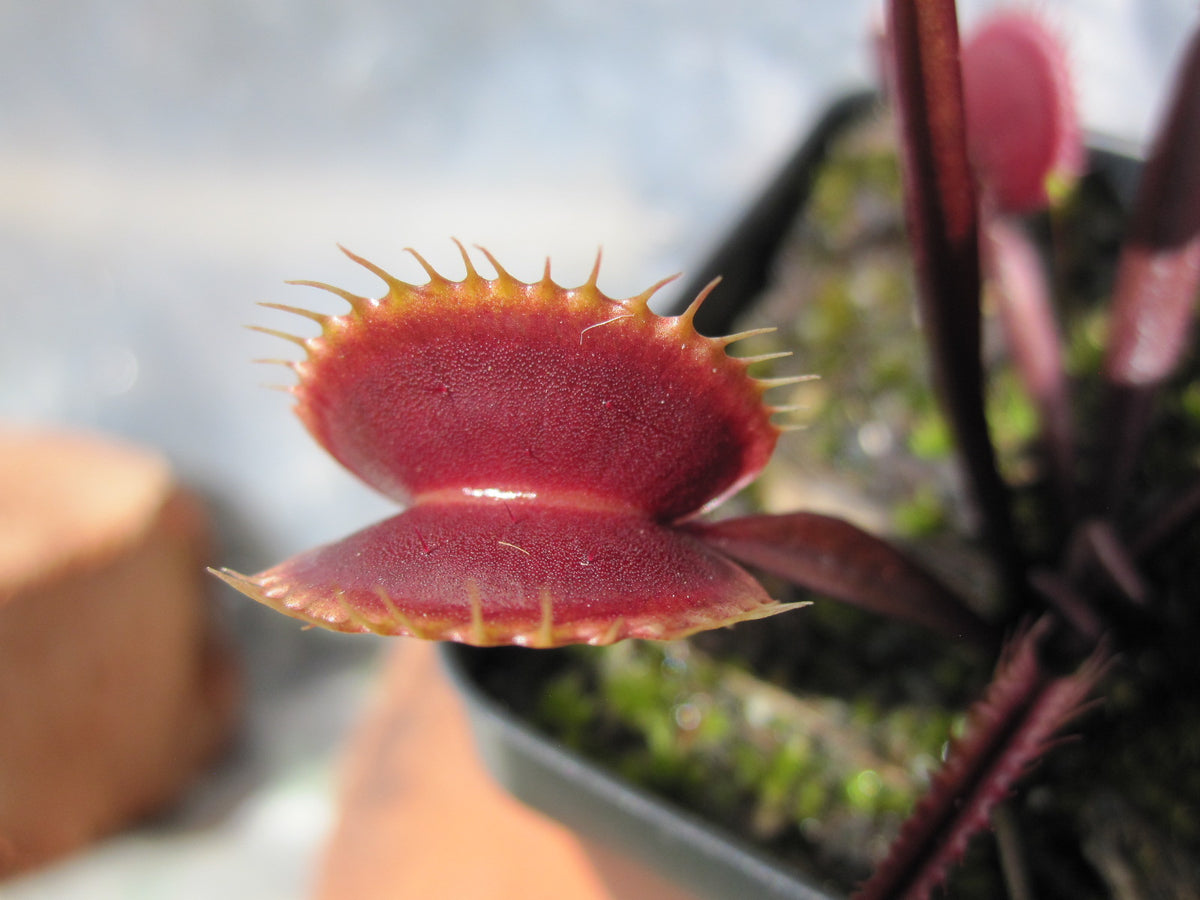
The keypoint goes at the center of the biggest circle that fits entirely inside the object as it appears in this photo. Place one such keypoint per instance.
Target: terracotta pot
(116, 685)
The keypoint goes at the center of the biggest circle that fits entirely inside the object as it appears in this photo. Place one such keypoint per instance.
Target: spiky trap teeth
(547, 442)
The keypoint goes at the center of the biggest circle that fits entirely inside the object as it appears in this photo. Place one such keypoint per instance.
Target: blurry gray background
(165, 165)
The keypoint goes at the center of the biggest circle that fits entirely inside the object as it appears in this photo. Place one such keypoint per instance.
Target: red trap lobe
(546, 441)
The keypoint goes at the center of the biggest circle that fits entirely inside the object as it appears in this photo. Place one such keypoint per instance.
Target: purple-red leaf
(1158, 275)
(833, 557)
(941, 211)
(1159, 271)
(1007, 731)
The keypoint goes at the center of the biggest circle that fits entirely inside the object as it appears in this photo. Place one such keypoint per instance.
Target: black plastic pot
(600, 807)
(698, 855)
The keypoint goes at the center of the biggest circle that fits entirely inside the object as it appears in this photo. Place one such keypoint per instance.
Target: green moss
(1190, 401)
(1011, 414)
(696, 726)
(930, 437)
(570, 705)
(811, 800)
(863, 789)
(921, 515)
(1086, 338)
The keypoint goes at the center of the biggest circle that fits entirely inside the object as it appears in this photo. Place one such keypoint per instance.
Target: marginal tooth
(272, 361)
(610, 634)
(742, 335)
(435, 277)
(594, 277)
(690, 313)
(299, 341)
(356, 617)
(763, 357)
(502, 275)
(789, 408)
(239, 582)
(545, 632)
(642, 300)
(546, 279)
(478, 630)
(789, 379)
(397, 616)
(770, 609)
(656, 631)
(252, 589)
(472, 274)
(395, 285)
(320, 318)
(286, 389)
(357, 303)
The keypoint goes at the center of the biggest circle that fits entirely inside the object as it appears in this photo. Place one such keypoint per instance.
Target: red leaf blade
(833, 557)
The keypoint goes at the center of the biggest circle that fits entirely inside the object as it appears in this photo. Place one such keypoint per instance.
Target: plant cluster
(556, 448)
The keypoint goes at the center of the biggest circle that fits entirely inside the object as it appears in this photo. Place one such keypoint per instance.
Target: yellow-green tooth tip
(763, 357)
(319, 318)
(785, 380)
(643, 299)
(382, 274)
(594, 277)
(689, 314)
(435, 277)
(357, 303)
(502, 274)
(274, 332)
(743, 335)
(472, 273)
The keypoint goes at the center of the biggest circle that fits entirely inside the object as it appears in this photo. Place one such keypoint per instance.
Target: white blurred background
(165, 165)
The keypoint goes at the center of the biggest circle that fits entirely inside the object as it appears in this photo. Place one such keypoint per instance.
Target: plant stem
(942, 214)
